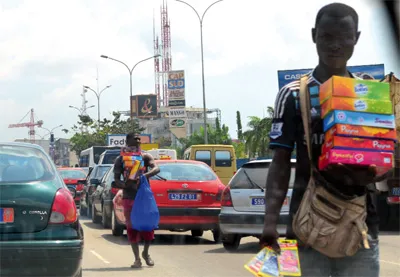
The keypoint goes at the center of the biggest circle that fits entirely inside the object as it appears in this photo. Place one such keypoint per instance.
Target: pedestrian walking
(335, 35)
(129, 190)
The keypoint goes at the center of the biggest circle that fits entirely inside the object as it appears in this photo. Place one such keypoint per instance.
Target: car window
(203, 156)
(258, 173)
(223, 158)
(109, 158)
(185, 172)
(101, 170)
(72, 174)
(24, 164)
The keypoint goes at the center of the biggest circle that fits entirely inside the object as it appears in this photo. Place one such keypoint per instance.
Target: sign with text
(176, 88)
(177, 112)
(177, 123)
(120, 139)
(374, 71)
(146, 105)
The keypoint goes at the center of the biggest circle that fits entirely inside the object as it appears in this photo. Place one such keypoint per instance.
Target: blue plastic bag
(145, 215)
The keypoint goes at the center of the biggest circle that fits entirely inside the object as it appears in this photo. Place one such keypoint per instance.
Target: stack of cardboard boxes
(359, 124)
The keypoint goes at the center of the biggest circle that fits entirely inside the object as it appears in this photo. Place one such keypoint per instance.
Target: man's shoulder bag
(329, 224)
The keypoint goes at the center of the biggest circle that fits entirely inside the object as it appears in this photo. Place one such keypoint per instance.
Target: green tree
(257, 137)
(217, 135)
(239, 126)
(240, 149)
(96, 133)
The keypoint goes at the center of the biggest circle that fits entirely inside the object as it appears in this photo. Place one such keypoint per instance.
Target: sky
(49, 49)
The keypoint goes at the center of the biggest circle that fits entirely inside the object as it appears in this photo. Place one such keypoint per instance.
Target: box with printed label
(367, 144)
(347, 130)
(353, 88)
(356, 105)
(359, 119)
(382, 160)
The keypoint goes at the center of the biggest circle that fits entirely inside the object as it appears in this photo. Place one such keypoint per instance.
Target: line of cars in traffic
(191, 197)
(39, 203)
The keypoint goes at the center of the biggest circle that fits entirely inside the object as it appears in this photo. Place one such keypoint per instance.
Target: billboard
(374, 71)
(120, 139)
(146, 105)
(176, 88)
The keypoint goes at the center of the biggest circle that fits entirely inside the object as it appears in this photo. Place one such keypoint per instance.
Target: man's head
(133, 139)
(335, 34)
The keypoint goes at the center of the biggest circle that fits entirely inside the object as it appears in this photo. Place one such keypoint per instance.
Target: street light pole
(98, 94)
(130, 70)
(80, 112)
(202, 64)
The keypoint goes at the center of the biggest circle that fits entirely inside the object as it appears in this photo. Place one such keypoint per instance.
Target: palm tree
(257, 137)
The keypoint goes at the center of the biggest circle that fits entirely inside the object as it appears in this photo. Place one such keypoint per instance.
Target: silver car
(243, 204)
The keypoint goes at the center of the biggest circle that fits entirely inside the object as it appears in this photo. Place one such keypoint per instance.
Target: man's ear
(313, 34)
(358, 36)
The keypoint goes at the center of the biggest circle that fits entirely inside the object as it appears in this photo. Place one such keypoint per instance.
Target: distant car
(75, 177)
(188, 196)
(86, 169)
(40, 233)
(92, 181)
(243, 204)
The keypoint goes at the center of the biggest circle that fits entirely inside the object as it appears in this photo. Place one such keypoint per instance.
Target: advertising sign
(146, 105)
(374, 71)
(177, 112)
(177, 123)
(176, 88)
(134, 106)
(120, 139)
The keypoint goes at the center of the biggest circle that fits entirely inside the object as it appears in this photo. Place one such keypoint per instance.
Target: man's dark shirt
(287, 132)
(131, 191)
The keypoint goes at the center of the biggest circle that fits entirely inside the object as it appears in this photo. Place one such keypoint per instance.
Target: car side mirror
(95, 182)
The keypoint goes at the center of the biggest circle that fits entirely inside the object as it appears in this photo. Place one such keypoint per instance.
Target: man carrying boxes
(332, 212)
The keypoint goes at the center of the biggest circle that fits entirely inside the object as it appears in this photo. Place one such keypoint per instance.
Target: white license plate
(183, 196)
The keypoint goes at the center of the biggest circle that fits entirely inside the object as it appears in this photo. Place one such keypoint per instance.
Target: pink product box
(382, 160)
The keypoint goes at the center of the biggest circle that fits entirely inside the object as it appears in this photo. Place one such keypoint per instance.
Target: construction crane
(31, 125)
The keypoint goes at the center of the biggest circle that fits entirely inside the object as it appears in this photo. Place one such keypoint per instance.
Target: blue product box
(359, 119)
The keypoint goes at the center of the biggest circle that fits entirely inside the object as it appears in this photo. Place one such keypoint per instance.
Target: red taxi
(188, 195)
(74, 177)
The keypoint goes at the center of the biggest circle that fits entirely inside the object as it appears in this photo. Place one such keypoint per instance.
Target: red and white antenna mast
(166, 50)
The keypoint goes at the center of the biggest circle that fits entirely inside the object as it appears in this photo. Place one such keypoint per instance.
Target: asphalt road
(179, 254)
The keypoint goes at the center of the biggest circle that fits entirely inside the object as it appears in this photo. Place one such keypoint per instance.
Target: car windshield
(257, 172)
(185, 172)
(101, 171)
(72, 174)
(20, 164)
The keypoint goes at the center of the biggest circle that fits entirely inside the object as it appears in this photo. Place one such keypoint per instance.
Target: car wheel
(95, 217)
(216, 235)
(197, 233)
(117, 229)
(231, 242)
(105, 221)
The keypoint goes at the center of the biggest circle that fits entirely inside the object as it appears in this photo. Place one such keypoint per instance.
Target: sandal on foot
(148, 260)
(137, 264)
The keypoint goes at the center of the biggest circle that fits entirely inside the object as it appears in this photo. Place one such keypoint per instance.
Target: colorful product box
(347, 130)
(356, 105)
(382, 160)
(358, 119)
(367, 144)
(353, 88)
